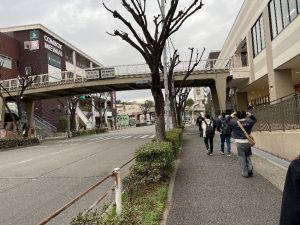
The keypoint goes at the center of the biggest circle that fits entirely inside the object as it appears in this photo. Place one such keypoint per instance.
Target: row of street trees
(150, 44)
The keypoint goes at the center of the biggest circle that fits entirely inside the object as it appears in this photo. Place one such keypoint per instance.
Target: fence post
(118, 191)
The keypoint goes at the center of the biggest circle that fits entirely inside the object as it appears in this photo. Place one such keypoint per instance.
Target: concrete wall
(279, 143)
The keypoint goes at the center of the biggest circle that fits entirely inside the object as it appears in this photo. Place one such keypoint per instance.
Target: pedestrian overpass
(127, 77)
(211, 73)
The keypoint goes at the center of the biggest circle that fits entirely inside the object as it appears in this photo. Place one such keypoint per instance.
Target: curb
(170, 192)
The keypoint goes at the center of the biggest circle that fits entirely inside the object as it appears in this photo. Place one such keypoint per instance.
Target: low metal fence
(282, 114)
(116, 187)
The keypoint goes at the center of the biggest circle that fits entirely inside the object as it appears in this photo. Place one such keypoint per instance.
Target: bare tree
(151, 46)
(22, 82)
(178, 96)
(146, 107)
(98, 102)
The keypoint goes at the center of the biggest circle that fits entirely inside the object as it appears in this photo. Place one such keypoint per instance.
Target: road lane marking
(152, 136)
(145, 136)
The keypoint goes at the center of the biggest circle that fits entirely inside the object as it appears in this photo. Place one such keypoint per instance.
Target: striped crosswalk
(107, 137)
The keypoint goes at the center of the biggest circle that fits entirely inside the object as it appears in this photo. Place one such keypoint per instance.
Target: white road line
(152, 136)
(145, 136)
(119, 137)
(126, 137)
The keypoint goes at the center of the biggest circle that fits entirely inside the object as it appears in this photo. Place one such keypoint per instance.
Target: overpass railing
(79, 76)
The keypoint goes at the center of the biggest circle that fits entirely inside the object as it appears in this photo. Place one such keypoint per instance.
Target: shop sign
(54, 60)
(52, 45)
(31, 45)
(34, 35)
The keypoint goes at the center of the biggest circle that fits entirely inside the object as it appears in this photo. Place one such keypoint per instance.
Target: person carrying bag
(241, 124)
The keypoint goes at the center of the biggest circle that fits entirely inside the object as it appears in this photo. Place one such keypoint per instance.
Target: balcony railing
(282, 114)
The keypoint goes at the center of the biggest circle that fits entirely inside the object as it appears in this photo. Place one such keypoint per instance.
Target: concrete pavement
(210, 190)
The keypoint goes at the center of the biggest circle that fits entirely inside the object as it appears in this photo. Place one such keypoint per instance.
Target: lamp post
(167, 101)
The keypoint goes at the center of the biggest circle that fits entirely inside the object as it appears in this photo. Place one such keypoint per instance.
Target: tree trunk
(173, 112)
(159, 107)
(179, 116)
(72, 122)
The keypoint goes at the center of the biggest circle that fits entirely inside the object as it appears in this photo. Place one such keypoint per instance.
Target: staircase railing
(39, 121)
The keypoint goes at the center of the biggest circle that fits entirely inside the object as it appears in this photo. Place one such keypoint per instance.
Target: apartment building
(263, 48)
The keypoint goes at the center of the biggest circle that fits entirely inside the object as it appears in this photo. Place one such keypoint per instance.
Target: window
(273, 19)
(278, 16)
(293, 9)
(282, 12)
(285, 12)
(5, 62)
(258, 36)
(262, 32)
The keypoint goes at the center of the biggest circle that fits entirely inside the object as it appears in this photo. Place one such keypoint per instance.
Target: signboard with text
(107, 73)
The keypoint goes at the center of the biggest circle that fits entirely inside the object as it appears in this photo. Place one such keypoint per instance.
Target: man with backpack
(199, 124)
(225, 134)
(209, 127)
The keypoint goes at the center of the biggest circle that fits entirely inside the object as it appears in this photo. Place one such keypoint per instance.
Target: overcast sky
(84, 23)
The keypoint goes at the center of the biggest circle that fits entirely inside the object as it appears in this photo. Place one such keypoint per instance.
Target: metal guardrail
(79, 76)
(115, 174)
(282, 114)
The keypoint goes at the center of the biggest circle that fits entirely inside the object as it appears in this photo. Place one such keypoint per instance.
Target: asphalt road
(35, 181)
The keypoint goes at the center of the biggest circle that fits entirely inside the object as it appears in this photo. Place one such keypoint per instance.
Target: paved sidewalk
(210, 190)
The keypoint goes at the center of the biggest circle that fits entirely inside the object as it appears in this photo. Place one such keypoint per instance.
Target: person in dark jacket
(199, 124)
(290, 208)
(225, 134)
(209, 126)
(243, 146)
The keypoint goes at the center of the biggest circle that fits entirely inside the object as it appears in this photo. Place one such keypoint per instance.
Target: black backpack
(225, 129)
(209, 132)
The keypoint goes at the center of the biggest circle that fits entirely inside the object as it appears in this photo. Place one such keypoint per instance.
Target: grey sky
(84, 24)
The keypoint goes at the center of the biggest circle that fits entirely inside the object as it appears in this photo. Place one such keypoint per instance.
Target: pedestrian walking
(208, 126)
(225, 134)
(241, 122)
(290, 208)
(199, 124)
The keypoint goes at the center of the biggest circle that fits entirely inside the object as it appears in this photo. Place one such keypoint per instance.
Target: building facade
(264, 50)
(34, 50)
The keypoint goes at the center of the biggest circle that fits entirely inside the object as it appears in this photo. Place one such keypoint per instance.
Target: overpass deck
(133, 77)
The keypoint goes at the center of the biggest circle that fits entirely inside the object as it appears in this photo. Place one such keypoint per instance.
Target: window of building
(262, 32)
(285, 12)
(273, 19)
(282, 12)
(5, 62)
(258, 34)
(293, 9)
(278, 16)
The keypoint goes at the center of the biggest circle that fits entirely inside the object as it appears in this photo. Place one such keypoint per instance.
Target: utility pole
(167, 101)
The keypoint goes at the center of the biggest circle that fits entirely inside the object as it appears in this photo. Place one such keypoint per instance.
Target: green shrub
(154, 162)
(62, 124)
(11, 143)
(175, 137)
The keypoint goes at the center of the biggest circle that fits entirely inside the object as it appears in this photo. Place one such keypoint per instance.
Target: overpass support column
(219, 94)
(2, 113)
(29, 107)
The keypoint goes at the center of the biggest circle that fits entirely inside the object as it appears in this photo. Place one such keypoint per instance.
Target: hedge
(11, 143)
(89, 132)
